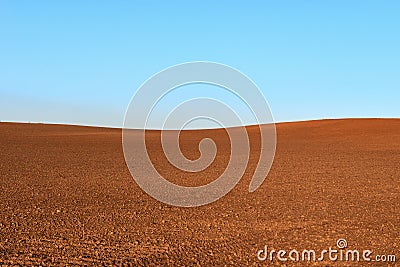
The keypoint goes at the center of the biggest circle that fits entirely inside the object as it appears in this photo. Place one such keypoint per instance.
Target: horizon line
(193, 129)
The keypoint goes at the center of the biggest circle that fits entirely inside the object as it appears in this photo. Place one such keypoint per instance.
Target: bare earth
(67, 197)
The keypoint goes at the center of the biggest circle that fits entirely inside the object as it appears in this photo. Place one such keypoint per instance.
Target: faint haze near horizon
(81, 62)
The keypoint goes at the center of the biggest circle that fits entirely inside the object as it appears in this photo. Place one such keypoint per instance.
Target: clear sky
(79, 62)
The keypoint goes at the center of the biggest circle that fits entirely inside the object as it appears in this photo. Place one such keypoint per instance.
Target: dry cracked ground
(67, 198)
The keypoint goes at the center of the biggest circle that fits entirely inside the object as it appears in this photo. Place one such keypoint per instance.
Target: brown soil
(67, 197)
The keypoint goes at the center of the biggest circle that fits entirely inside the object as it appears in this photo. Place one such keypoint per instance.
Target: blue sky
(80, 62)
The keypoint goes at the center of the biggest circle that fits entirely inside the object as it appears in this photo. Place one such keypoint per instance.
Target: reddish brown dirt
(67, 197)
